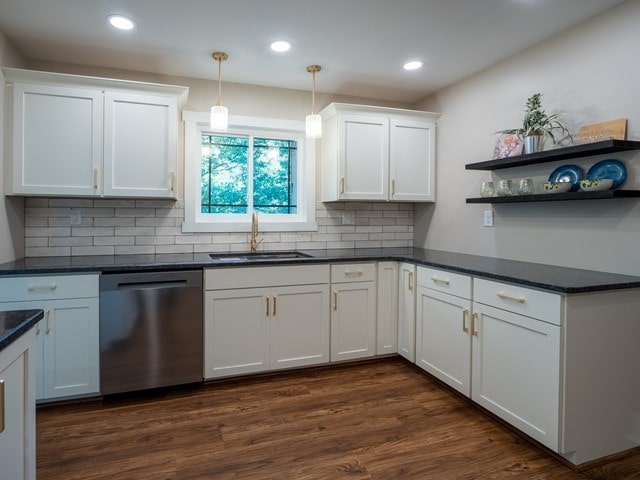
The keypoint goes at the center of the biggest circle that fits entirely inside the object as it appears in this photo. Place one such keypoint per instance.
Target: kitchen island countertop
(16, 322)
(546, 277)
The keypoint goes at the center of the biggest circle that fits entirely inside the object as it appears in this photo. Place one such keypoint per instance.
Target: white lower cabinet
(443, 340)
(353, 311)
(17, 410)
(67, 338)
(407, 311)
(516, 371)
(387, 329)
(280, 320)
(505, 361)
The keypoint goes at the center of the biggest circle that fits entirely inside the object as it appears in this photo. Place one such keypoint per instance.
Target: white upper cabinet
(375, 153)
(140, 139)
(69, 135)
(56, 138)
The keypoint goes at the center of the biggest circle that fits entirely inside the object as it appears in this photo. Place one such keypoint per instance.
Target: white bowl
(592, 185)
(556, 187)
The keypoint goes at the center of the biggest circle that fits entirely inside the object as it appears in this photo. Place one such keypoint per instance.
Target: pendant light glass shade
(219, 114)
(313, 124)
(313, 128)
(219, 117)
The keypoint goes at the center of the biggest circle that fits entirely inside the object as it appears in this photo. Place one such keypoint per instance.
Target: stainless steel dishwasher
(150, 330)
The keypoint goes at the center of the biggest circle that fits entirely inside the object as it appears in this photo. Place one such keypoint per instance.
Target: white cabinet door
(387, 337)
(17, 411)
(56, 140)
(516, 371)
(299, 326)
(236, 332)
(71, 347)
(412, 161)
(353, 321)
(363, 157)
(140, 145)
(407, 311)
(443, 341)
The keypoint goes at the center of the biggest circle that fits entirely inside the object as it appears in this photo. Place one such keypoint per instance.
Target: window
(244, 174)
(260, 165)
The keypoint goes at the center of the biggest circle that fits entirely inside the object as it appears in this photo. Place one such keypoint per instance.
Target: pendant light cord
(313, 94)
(219, 81)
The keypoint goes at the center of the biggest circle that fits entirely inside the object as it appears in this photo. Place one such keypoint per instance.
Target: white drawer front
(353, 272)
(514, 298)
(445, 281)
(18, 289)
(276, 276)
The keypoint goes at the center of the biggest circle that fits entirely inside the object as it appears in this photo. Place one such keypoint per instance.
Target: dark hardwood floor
(380, 420)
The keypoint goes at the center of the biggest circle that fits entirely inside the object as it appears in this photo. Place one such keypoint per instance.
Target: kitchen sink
(247, 257)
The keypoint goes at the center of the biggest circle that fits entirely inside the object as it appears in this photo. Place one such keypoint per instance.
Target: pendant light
(313, 127)
(219, 114)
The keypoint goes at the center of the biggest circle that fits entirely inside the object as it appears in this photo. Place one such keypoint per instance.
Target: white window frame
(197, 123)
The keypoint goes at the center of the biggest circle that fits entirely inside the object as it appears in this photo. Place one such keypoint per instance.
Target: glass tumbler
(486, 189)
(505, 188)
(526, 187)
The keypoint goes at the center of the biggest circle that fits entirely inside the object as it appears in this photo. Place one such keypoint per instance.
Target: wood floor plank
(379, 420)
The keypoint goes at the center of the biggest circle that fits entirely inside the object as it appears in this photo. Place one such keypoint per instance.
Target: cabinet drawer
(445, 281)
(514, 298)
(276, 276)
(17, 289)
(353, 272)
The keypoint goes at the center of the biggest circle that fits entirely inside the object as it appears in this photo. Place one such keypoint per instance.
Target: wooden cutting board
(615, 129)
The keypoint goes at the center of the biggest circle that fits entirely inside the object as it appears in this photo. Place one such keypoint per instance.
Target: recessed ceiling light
(413, 65)
(120, 22)
(281, 46)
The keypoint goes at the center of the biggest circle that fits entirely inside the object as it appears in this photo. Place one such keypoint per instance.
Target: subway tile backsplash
(124, 227)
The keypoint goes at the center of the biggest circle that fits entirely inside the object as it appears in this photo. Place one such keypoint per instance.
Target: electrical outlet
(75, 217)
(488, 218)
(349, 217)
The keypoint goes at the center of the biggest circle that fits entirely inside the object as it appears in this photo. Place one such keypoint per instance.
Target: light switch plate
(488, 218)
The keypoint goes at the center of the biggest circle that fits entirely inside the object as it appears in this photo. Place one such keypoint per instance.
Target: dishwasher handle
(151, 285)
(110, 282)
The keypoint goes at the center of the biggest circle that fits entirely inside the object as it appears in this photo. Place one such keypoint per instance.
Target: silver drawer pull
(41, 288)
(353, 273)
(504, 296)
(440, 280)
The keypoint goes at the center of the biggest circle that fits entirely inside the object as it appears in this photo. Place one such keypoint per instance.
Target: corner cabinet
(576, 151)
(70, 135)
(375, 153)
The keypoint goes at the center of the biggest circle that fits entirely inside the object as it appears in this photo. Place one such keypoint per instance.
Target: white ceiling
(360, 44)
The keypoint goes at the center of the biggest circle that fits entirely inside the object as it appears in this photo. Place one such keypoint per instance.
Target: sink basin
(247, 257)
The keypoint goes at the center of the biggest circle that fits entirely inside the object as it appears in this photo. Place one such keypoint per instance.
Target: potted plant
(537, 125)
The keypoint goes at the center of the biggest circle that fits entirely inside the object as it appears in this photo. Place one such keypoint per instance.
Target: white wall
(11, 208)
(589, 74)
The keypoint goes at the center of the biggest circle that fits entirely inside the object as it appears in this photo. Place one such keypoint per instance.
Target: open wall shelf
(555, 197)
(576, 151)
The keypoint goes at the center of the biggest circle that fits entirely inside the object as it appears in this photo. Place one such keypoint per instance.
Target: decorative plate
(568, 173)
(609, 168)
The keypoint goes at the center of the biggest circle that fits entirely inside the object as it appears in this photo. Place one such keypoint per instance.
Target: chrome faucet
(254, 242)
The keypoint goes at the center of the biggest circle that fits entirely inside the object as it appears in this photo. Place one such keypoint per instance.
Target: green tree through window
(245, 174)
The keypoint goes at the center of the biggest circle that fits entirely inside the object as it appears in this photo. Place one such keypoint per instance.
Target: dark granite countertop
(546, 277)
(16, 322)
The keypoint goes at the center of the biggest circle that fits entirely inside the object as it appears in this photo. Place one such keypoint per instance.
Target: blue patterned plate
(568, 173)
(609, 168)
